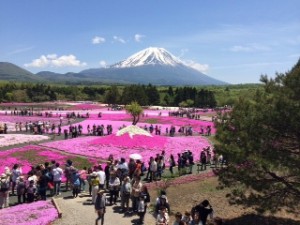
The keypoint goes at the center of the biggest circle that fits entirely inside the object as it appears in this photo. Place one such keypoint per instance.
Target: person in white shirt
(57, 173)
(102, 177)
(162, 217)
(114, 187)
(153, 170)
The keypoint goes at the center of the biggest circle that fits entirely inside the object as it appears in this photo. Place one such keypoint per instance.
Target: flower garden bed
(15, 139)
(34, 155)
(36, 213)
(123, 146)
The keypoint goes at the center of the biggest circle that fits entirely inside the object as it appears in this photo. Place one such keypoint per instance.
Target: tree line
(142, 94)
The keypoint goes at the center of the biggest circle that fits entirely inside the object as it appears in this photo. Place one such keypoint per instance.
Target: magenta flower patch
(123, 146)
(36, 213)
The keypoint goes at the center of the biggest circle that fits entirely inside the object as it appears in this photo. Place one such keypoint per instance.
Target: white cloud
(51, 56)
(203, 68)
(53, 60)
(182, 52)
(98, 40)
(138, 37)
(21, 50)
(103, 64)
(119, 39)
(249, 48)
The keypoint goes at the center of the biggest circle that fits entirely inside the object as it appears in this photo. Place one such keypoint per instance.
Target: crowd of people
(120, 178)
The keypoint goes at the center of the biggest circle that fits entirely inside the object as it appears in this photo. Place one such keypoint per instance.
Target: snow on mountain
(149, 56)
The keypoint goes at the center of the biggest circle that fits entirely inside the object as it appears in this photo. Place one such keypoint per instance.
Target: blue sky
(234, 41)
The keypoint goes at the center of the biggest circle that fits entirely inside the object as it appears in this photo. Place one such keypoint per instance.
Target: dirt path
(80, 211)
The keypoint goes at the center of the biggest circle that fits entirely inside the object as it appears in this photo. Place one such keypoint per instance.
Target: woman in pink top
(83, 178)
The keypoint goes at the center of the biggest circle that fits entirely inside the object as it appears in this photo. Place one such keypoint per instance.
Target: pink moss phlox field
(179, 122)
(115, 124)
(36, 213)
(14, 139)
(95, 147)
(118, 119)
(24, 119)
(126, 141)
(11, 157)
(85, 107)
(181, 180)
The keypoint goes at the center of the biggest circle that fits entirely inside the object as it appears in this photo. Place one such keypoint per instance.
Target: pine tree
(260, 139)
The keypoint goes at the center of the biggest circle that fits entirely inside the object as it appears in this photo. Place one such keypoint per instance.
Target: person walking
(57, 173)
(125, 192)
(100, 206)
(4, 191)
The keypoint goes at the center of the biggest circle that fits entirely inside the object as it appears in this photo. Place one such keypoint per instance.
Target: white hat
(94, 174)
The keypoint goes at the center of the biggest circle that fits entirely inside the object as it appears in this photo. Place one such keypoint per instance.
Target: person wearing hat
(162, 204)
(21, 189)
(100, 206)
(4, 191)
(125, 192)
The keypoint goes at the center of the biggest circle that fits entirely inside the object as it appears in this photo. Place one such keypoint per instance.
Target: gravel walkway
(80, 211)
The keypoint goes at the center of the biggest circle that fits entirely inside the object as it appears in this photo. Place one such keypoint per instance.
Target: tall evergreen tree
(260, 138)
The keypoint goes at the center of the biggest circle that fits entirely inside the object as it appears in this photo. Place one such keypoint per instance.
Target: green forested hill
(11, 72)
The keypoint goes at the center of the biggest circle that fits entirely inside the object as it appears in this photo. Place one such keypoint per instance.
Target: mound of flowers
(29, 156)
(36, 213)
(124, 145)
(15, 139)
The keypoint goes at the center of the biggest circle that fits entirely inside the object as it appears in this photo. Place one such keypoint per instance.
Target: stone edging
(57, 207)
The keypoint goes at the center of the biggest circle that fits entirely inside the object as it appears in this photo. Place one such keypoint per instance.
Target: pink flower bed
(85, 107)
(137, 140)
(31, 156)
(102, 147)
(15, 139)
(24, 119)
(36, 213)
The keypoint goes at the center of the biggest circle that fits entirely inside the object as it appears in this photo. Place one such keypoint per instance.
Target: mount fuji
(151, 65)
(149, 56)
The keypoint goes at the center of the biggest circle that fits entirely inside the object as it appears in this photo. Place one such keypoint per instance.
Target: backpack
(4, 186)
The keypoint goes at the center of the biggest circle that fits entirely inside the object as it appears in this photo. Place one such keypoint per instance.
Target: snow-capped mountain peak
(148, 56)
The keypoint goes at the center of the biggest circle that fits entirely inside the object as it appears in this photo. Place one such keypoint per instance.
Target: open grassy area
(183, 197)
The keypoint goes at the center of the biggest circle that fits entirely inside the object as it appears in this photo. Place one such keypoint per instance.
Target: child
(141, 208)
(31, 190)
(21, 189)
(186, 217)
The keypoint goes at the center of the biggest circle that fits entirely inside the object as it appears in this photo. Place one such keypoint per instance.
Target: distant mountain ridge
(12, 72)
(156, 66)
(151, 65)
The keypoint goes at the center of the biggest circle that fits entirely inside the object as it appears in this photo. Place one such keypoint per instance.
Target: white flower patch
(133, 130)
(15, 139)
